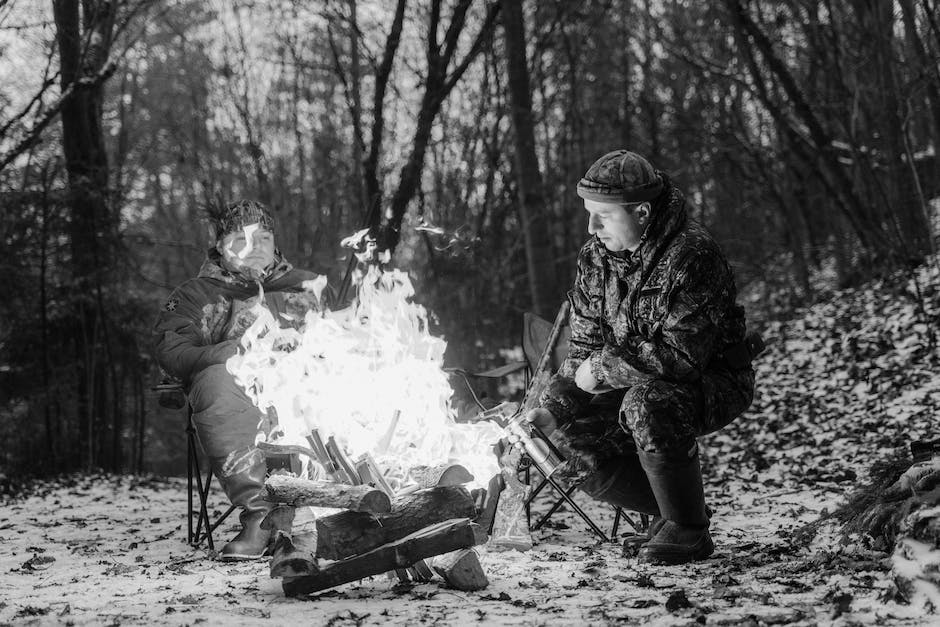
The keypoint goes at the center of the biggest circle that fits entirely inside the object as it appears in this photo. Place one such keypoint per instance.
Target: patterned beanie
(225, 219)
(620, 176)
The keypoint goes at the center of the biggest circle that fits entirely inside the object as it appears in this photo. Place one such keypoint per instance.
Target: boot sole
(673, 554)
(243, 557)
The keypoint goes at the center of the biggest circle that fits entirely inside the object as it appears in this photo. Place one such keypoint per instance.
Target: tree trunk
(533, 210)
(897, 189)
(92, 226)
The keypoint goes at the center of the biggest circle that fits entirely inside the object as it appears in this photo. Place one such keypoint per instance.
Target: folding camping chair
(536, 335)
(172, 396)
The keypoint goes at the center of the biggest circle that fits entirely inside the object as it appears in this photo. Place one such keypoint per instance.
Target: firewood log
(461, 570)
(440, 475)
(490, 502)
(346, 534)
(294, 491)
(281, 518)
(433, 540)
(293, 556)
(349, 533)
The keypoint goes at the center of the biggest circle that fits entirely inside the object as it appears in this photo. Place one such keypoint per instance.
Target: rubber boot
(244, 489)
(677, 483)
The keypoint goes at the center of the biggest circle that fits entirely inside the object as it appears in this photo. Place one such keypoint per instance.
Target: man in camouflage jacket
(656, 358)
(200, 328)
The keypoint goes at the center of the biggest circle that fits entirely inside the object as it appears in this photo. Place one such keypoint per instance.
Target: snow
(95, 549)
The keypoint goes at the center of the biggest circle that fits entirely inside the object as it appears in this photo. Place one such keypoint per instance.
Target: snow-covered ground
(101, 549)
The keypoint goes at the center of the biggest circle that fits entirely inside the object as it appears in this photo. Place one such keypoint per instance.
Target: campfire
(360, 397)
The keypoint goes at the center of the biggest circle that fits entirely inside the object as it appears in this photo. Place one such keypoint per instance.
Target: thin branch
(475, 49)
(88, 82)
(347, 91)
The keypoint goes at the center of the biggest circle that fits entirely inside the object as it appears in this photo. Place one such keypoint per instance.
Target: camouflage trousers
(227, 422)
(656, 416)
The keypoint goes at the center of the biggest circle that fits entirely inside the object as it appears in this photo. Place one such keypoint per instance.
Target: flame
(370, 376)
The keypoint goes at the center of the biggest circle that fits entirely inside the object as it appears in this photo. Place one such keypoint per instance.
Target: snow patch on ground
(101, 549)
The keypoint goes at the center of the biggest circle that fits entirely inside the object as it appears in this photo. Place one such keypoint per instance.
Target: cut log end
(461, 570)
(293, 557)
(281, 518)
(440, 475)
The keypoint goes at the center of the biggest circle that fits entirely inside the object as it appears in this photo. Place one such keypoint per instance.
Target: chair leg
(190, 452)
(219, 521)
(528, 501)
(566, 498)
(203, 489)
(553, 509)
(618, 512)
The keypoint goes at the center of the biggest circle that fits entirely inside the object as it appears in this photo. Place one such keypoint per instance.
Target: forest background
(803, 132)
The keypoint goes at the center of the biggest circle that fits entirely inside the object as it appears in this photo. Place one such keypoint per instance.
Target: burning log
(461, 570)
(443, 537)
(294, 491)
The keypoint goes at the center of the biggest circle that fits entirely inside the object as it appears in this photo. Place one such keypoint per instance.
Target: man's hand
(543, 419)
(585, 379)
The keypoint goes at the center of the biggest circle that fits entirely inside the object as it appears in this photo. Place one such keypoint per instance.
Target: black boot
(244, 489)
(677, 483)
(251, 543)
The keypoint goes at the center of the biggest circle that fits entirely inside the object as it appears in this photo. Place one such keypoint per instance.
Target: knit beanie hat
(225, 219)
(620, 176)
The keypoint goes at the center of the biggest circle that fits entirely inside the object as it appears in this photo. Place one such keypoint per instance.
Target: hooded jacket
(205, 317)
(664, 311)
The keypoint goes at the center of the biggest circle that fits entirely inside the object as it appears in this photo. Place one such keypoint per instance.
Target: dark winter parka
(663, 313)
(205, 317)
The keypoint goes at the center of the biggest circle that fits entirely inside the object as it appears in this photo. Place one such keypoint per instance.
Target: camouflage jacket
(204, 318)
(666, 311)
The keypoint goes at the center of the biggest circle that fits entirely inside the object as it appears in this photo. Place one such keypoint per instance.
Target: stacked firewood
(430, 527)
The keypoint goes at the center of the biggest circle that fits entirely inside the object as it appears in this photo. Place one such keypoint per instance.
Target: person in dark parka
(200, 328)
(657, 355)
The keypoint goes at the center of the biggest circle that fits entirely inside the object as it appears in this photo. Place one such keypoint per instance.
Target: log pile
(426, 530)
